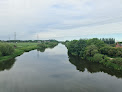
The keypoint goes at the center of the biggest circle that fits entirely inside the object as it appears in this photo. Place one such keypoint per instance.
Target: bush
(117, 61)
(105, 50)
(77, 47)
(41, 45)
(51, 44)
(111, 51)
(6, 49)
(91, 50)
(96, 42)
(98, 57)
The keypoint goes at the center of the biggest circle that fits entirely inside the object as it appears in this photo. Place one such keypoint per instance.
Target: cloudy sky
(60, 19)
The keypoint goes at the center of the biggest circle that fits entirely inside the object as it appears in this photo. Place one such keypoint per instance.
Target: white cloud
(59, 18)
(83, 31)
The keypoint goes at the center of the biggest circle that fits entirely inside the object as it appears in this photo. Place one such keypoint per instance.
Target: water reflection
(6, 65)
(43, 49)
(91, 67)
(51, 71)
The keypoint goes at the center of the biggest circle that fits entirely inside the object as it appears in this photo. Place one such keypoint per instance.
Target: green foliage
(81, 45)
(108, 40)
(6, 49)
(91, 50)
(41, 45)
(0, 54)
(47, 45)
(119, 53)
(20, 49)
(111, 51)
(72, 47)
(30, 41)
(51, 44)
(98, 57)
(96, 50)
(96, 42)
(77, 47)
(104, 50)
(117, 61)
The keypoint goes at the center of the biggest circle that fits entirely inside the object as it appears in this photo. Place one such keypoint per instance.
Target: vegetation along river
(55, 71)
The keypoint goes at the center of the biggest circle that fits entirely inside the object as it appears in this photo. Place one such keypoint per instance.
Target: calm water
(55, 71)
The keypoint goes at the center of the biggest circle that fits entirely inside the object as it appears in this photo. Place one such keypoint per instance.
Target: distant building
(119, 44)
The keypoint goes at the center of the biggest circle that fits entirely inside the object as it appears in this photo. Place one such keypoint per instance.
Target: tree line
(30, 41)
(96, 50)
(108, 40)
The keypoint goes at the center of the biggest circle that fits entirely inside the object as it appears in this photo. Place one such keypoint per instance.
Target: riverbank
(19, 50)
(95, 50)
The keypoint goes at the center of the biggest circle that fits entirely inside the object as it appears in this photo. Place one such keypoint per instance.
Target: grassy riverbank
(20, 48)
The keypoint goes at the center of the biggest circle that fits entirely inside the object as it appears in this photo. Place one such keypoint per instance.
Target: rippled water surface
(55, 71)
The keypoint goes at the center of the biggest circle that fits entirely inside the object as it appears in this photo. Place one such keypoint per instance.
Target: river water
(55, 71)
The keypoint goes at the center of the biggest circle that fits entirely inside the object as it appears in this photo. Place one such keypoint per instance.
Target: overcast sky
(60, 19)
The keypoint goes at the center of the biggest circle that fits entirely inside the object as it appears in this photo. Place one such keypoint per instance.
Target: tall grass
(6, 49)
(20, 49)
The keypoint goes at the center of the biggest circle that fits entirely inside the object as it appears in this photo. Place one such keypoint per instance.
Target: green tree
(96, 42)
(77, 47)
(98, 57)
(80, 46)
(112, 52)
(91, 50)
(72, 48)
(105, 50)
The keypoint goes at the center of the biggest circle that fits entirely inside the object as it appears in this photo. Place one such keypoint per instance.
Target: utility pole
(37, 38)
(8, 37)
(14, 35)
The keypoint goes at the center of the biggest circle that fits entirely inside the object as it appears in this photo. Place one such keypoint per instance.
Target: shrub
(6, 49)
(51, 44)
(41, 45)
(111, 51)
(91, 50)
(117, 61)
(96, 42)
(104, 50)
(98, 57)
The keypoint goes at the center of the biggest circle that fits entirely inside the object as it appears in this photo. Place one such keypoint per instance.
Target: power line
(8, 37)
(14, 35)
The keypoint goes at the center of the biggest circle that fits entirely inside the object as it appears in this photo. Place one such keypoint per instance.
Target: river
(55, 71)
